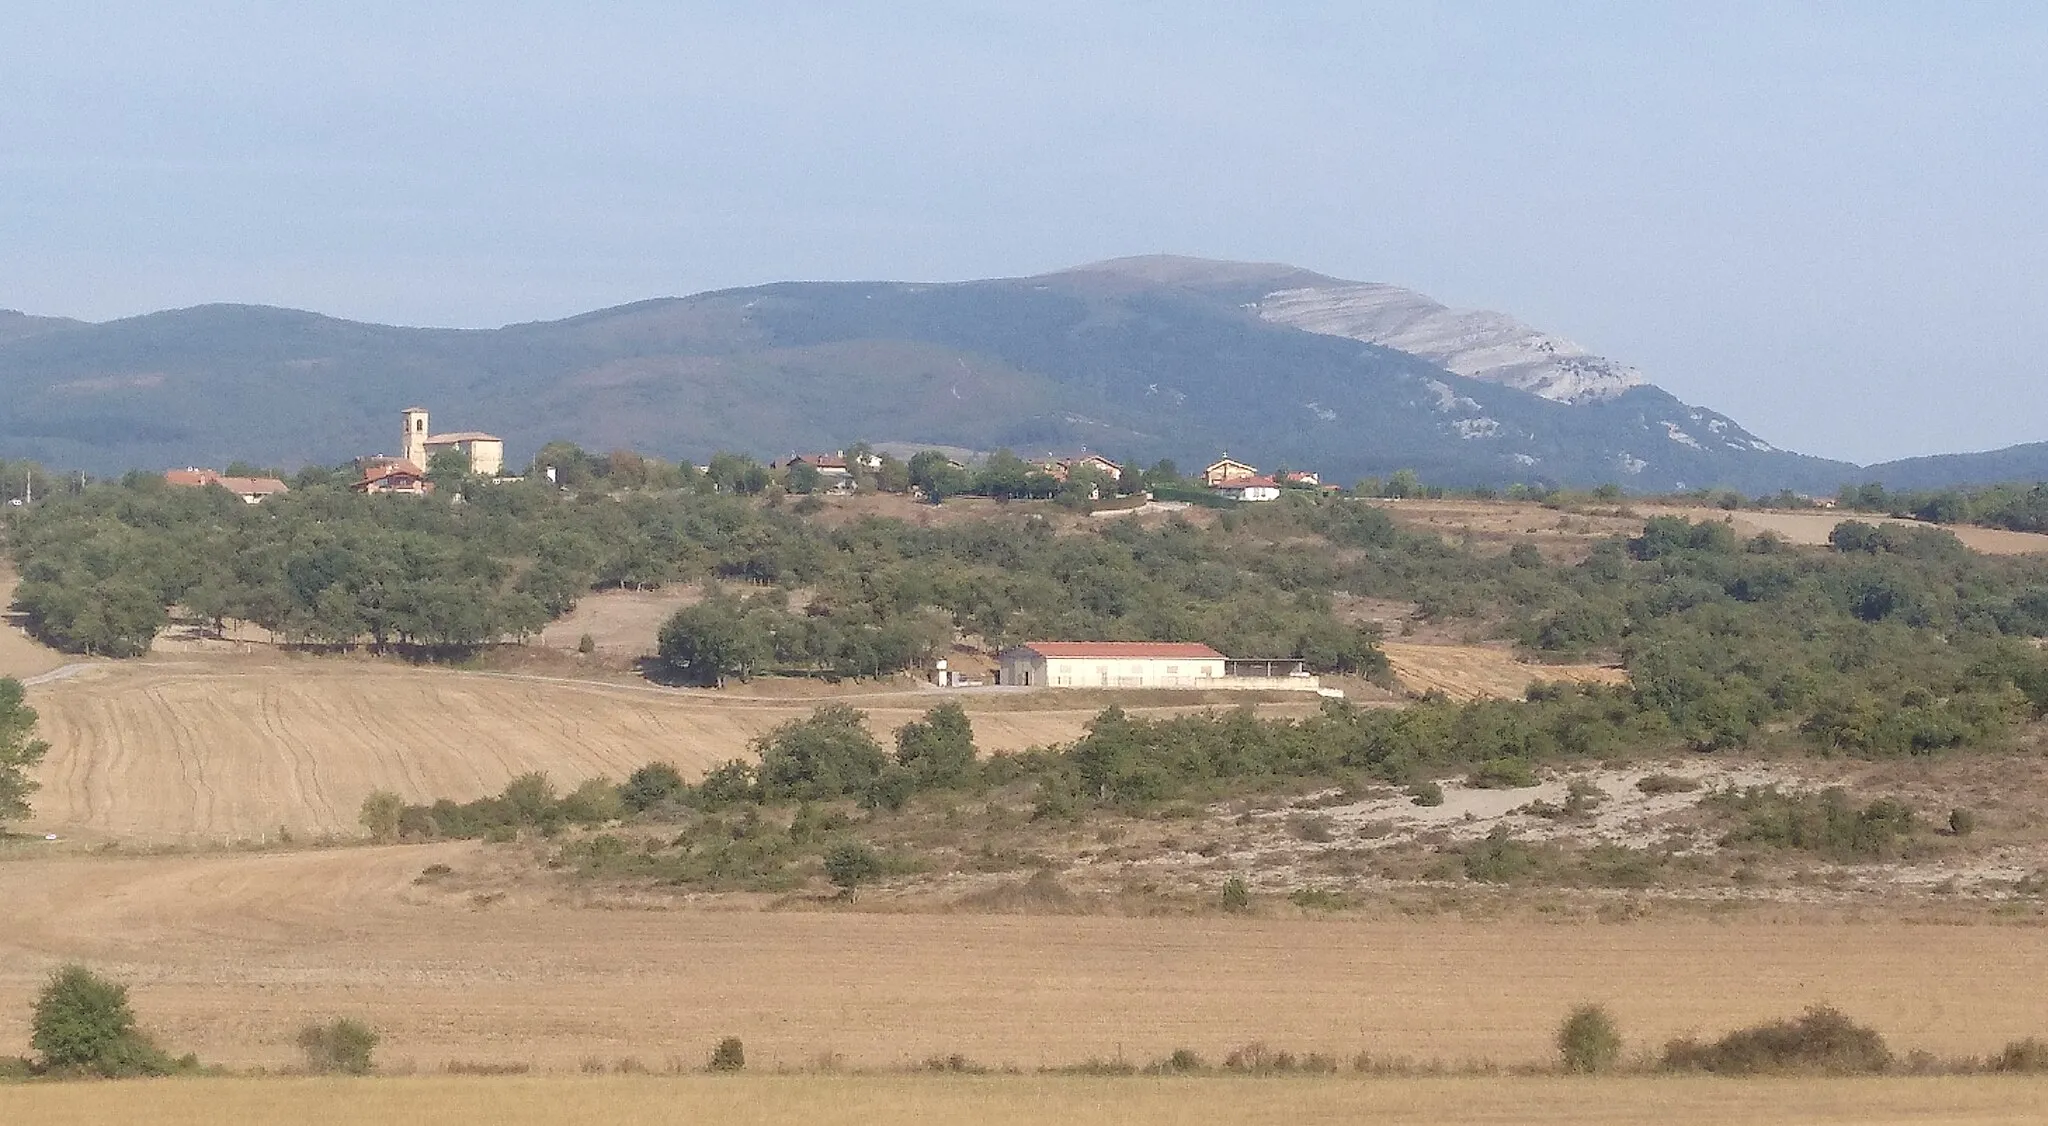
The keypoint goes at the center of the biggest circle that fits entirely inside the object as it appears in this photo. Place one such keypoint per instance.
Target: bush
(340, 1047)
(84, 1026)
(1827, 823)
(2029, 1056)
(729, 1055)
(1588, 1042)
(586, 645)
(650, 786)
(1498, 858)
(1507, 773)
(1667, 784)
(1820, 1041)
(1236, 896)
(1961, 822)
(1426, 794)
(382, 814)
(850, 865)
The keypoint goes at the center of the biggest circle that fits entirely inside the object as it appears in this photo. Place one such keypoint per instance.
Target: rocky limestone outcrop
(1492, 347)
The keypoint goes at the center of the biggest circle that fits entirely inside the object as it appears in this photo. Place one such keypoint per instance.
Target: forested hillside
(1893, 640)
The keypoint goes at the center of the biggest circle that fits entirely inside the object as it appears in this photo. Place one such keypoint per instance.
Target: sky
(1825, 220)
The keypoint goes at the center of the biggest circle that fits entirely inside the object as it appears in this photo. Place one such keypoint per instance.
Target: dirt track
(229, 953)
(226, 748)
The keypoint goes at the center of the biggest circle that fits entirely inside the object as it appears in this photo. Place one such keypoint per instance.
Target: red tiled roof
(1121, 650)
(240, 486)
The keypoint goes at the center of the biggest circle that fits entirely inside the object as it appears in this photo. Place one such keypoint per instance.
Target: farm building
(252, 490)
(1249, 488)
(1144, 664)
(486, 452)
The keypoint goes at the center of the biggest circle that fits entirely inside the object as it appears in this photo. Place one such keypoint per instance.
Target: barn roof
(1123, 650)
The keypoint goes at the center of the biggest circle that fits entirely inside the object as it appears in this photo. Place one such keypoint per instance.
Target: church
(486, 452)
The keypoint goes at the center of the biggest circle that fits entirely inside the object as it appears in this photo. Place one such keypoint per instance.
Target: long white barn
(1144, 664)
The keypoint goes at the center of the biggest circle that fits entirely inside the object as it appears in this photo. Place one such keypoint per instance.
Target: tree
(447, 468)
(1588, 1042)
(18, 752)
(650, 786)
(802, 477)
(711, 641)
(828, 754)
(381, 813)
(83, 1025)
(850, 865)
(938, 750)
(339, 1047)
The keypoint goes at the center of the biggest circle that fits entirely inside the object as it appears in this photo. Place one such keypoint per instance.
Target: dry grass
(229, 954)
(225, 747)
(1013, 1101)
(1471, 672)
(1814, 527)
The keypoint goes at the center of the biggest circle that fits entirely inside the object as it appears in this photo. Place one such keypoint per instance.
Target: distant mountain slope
(1140, 359)
(1942, 471)
(15, 324)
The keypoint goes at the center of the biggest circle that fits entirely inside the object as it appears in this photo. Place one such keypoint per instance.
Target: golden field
(229, 954)
(223, 747)
(1014, 1101)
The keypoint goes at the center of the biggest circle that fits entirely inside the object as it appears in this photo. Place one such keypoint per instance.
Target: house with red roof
(252, 490)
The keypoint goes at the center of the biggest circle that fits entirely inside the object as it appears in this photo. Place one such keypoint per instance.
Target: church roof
(462, 436)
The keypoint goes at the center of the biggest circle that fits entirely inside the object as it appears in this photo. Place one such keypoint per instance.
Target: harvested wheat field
(1015, 1101)
(229, 954)
(1475, 672)
(226, 748)
(1814, 527)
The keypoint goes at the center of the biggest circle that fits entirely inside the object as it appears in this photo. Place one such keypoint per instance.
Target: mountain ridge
(1140, 358)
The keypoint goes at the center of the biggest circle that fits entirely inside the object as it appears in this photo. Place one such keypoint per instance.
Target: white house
(1249, 488)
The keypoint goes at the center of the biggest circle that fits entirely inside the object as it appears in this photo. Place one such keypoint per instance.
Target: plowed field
(228, 954)
(227, 748)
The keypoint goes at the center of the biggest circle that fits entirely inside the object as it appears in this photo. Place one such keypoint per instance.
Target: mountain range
(1137, 358)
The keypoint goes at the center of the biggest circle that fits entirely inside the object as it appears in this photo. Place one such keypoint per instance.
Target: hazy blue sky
(1827, 220)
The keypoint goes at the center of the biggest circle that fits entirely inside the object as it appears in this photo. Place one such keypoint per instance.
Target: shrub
(1588, 1042)
(1183, 1060)
(586, 645)
(729, 1055)
(1313, 828)
(1961, 822)
(1667, 784)
(1426, 794)
(340, 1047)
(84, 1026)
(2027, 1056)
(850, 865)
(1507, 773)
(1821, 1041)
(1236, 896)
(1499, 858)
(1256, 1058)
(1827, 823)
(651, 785)
(382, 814)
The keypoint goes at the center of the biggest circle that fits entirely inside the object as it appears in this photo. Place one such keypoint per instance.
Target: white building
(1148, 664)
(1250, 488)
(486, 452)
(1109, 664)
